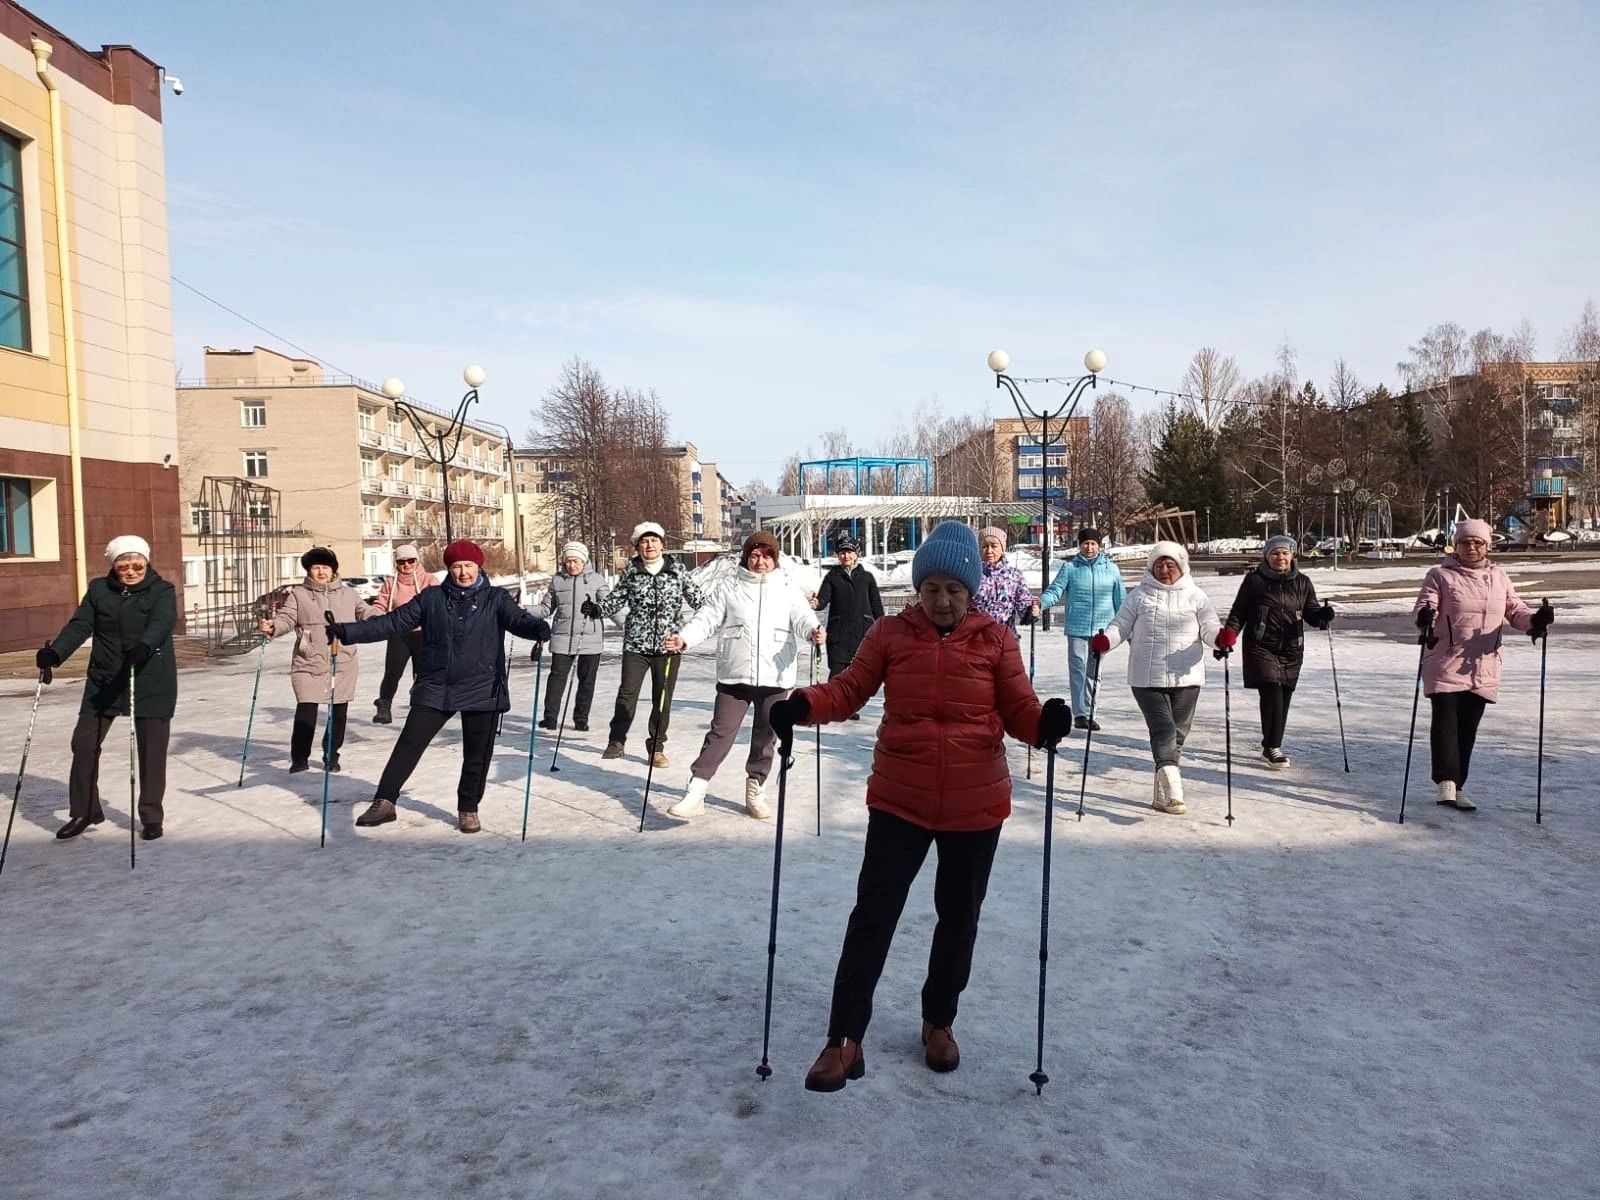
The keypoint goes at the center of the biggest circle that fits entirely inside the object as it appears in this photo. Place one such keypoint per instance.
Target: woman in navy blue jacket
(463, 669)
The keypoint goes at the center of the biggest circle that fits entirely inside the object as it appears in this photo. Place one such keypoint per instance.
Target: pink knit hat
(1474, 528)
(992, 532)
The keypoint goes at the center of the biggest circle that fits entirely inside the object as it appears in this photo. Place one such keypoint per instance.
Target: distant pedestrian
(304, 612)
(1090, 585)
(576, 639)
(849, 592)
(404, 648)
(1274, 603)
(130, 612)
(464, 624)
(1463, 604)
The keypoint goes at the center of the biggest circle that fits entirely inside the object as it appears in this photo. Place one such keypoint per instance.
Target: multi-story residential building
(349, 469)
(1009, 462)
(720, 507)
(1560, 404)
(540, 479)
(87, 422)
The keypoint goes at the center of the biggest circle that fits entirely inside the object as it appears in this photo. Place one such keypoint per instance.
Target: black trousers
(555, 689)
(634, 669)
(406, 648)
(893, 857)
(422, 724)
(150, 734)
(1275, 699)
(1453, 733)
(305, 724)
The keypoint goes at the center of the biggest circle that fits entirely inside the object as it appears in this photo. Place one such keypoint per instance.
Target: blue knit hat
(951, 549)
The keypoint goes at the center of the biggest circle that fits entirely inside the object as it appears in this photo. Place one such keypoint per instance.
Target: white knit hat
(128, 543)
(405, 550)
(1169, 550)
(644, 527)
(575, 550)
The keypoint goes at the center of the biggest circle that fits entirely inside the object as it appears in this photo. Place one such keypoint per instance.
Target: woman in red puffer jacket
(954, 686)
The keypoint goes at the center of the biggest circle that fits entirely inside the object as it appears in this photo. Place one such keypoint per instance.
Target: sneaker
(755, 798)
(693, 803)
(841, 1059)
(1462, 802)
(659, 760)
(1276, 758)
(1447, 792)
(612, 750)
(469, 822)
(1169, 792)
(380, 813)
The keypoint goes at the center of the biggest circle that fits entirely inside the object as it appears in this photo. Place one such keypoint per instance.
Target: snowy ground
(1317, 1002)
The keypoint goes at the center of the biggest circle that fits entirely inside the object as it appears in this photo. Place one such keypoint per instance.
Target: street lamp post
(440, 445)
(1094, 362)
(1336, 527)
(511, 486)
(1209, 548)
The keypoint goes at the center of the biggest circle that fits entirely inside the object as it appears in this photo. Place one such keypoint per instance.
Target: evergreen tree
(1186, 470)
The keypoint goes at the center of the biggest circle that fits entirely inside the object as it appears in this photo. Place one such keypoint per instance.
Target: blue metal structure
(859, 465)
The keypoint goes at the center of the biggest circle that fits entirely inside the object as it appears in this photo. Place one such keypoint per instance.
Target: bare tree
(1114, 460)
(1213, 380)
(1344, 389)
(755, 489)
(1581, 343)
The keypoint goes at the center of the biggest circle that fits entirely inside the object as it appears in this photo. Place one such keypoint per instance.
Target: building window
(255, 464)
(258, 509)
(365, 422)
(200, 518)
(253, 414)
(369, 467)
(16, 518)
(15, 328)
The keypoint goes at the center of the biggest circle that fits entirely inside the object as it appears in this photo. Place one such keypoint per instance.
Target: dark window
(15, 329)
(16, 518)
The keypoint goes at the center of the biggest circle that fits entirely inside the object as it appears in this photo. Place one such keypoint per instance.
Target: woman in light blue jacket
(1090, 585)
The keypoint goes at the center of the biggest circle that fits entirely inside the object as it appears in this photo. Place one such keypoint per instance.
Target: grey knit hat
(1278, 541)
(951, 549)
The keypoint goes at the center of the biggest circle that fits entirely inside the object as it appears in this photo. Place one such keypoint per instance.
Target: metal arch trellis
(239, 529)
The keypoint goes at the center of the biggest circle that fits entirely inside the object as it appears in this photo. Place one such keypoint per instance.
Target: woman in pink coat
(1463, 604)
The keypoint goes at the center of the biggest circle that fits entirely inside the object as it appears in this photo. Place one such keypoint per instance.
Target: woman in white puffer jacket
(760, 617)
(1168, 623)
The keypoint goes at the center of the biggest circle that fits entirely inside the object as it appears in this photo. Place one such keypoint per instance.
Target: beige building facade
(88, 432)
(347, 465)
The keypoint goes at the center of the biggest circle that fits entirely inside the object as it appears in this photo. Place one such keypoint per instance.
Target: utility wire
(261, 327)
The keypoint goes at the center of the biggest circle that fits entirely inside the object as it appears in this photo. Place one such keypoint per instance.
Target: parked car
(366, 586)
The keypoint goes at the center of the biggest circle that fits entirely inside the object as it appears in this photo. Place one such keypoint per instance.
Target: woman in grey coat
(304, 613)
(575, 638)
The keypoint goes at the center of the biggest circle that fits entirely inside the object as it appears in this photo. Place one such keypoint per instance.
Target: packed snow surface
(1315, 1002)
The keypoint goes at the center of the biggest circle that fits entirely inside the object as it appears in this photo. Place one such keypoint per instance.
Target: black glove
(537, 652)
(1543, 617)
(1026, 618)
(784, 716)
(1425, 617)
(47, 660)
(335, 632)
(137, 655)
(1321, 617)
(1055, 721)
(541, 630)
(590, 609)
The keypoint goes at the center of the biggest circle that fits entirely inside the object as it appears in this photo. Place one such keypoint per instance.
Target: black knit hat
(1089, 534)
(319, 556)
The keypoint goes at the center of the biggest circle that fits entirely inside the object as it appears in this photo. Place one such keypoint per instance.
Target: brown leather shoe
(660, 761)
(469, 822)
(840, 1060)
(940, 1051)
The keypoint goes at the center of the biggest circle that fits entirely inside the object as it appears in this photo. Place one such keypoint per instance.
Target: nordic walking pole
(1088, 736)
(784, 762)
(250, 724)
(1538, 787)
(533, 734)
(1416, 695)
(327, 741)
(27, 742)
(649, 774)
(133, 795)
(1039, 1078)
(1336, 704)
(1227, 733)
(1032, 625)
(567, 685)
(816, 668)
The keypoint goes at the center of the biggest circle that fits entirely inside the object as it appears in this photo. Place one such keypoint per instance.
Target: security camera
(176, 84)
(166, 462)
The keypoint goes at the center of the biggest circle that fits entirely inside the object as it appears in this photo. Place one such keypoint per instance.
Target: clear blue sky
(794, 217)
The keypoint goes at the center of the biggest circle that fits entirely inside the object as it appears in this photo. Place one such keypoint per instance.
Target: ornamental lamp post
(439, 444)
(999, 362)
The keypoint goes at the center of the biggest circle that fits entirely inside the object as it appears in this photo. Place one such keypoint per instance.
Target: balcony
(376, 529)
(371, 485)
(370, 437)
(1553, 486)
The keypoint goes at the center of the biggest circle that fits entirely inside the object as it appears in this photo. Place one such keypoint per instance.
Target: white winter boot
(1451, 795)
(1169, 791)
(693, 803)
(755, 798)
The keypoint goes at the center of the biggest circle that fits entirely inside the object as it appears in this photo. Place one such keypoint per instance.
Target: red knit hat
(462, 550)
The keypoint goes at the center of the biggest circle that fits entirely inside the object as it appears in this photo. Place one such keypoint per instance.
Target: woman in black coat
(850, 594)
(130, 612)
(462, 669)
(1272, 603)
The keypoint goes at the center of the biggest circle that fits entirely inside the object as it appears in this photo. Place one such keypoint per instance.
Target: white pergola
(800, 531)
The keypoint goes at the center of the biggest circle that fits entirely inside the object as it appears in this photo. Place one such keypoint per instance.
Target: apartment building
(87, 418)
(1560, 404)
(1008, 461)
(346, 464)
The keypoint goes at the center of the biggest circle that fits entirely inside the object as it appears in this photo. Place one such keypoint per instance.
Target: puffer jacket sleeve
(1121, 628)
(385, 596)
(708, 616)
(77, 629)
(287, 618)
(693, 597)
(386, 625)
(874, 597)
(517, 622)
(801, 619)
(1206, 614)
(163, 616)
(1517, 611)
(1246, 602)
(1059, 587)
(1429, 594)
(849, 691)
(1014, 695)
(1118, 592)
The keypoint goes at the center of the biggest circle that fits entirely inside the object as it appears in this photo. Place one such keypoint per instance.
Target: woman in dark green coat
(130, 613)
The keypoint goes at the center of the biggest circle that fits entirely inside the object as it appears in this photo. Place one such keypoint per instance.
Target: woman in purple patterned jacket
(1004, 594)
